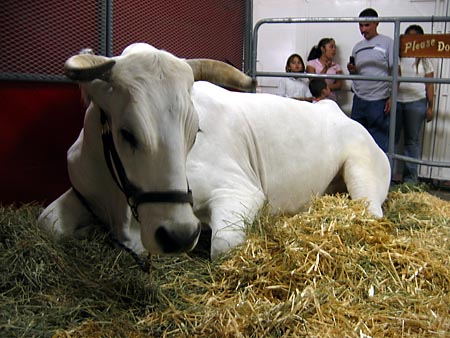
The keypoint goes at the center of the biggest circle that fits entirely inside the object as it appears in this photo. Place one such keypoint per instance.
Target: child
(319, 89)
(320, 61)
(296, 88)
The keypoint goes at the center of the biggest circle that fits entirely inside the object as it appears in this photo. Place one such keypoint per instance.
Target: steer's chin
(171, 240)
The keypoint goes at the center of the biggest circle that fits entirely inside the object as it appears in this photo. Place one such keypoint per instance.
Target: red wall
(38, 123)
(189, 29)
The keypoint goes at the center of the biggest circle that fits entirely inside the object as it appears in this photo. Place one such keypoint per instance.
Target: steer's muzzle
(175, 242)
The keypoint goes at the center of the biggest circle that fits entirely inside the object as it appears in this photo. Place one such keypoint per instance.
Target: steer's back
(289, 149)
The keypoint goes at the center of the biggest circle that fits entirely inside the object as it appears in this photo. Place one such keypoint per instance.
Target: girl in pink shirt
(320, 61)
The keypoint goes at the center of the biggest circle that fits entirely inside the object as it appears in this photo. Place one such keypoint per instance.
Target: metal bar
(248, 30)
(33, 77)
(350, 19)
(393, 98)
(421, 162)
(396, 20)
(102, 26)
(108, 34)
(352, 77)
(254, 51)
(328, 76)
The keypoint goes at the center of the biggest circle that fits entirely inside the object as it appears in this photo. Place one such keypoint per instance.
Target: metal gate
(438, 142)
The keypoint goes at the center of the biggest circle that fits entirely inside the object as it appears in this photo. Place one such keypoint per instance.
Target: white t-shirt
(374, 57)
(294, 87)
(413, 91)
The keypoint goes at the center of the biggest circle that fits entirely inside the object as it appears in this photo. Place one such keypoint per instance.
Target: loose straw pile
(332, 271)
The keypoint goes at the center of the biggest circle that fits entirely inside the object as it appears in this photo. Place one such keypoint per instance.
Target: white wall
(277, 41)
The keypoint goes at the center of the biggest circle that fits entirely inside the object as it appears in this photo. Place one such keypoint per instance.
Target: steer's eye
(129, 138)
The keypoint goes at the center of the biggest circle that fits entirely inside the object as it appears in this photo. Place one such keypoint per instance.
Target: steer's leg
(367, 175)
(66, 216)
(230, 213)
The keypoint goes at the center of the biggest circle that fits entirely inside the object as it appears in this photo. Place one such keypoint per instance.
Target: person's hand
(328, 64)
(429, 114)
(387, 107)
(351, 68)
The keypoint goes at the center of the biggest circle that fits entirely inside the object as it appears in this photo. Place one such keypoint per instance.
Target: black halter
(134, 195)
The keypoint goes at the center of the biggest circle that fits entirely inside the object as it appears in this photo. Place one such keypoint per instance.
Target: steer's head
(144, 97)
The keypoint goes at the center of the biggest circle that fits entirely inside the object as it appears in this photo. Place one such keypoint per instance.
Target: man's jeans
(371, 115)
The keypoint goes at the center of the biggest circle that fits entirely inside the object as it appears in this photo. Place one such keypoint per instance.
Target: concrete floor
(442, 194)
(439, 189)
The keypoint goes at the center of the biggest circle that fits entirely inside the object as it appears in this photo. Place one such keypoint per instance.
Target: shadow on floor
(437, 188)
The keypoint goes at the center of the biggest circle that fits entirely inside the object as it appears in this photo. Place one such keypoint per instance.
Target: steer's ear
(86, 67)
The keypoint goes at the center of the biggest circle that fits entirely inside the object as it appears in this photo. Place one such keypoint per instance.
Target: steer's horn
(221, 74)
(86, 67)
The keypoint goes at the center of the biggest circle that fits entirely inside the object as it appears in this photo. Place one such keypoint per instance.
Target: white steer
(151, 135)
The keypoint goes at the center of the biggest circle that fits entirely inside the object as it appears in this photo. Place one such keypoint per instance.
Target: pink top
(334, 69)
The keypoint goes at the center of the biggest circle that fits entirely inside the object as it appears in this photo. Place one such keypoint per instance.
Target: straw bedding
(331, 271)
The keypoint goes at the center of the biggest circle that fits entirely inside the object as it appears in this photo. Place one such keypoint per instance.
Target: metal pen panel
(394, 78)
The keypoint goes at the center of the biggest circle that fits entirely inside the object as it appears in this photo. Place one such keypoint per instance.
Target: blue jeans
(371, 115)
(410, 119)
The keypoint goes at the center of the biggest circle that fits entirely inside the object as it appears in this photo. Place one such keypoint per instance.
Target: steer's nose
(175, 242)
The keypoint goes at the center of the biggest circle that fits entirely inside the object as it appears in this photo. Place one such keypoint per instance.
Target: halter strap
(134, 195)
(143, 264)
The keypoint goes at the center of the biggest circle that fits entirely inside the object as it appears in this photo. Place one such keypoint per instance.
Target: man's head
(368, 29)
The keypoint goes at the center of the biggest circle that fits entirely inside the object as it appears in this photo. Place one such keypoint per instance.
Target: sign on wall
(425, 45)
